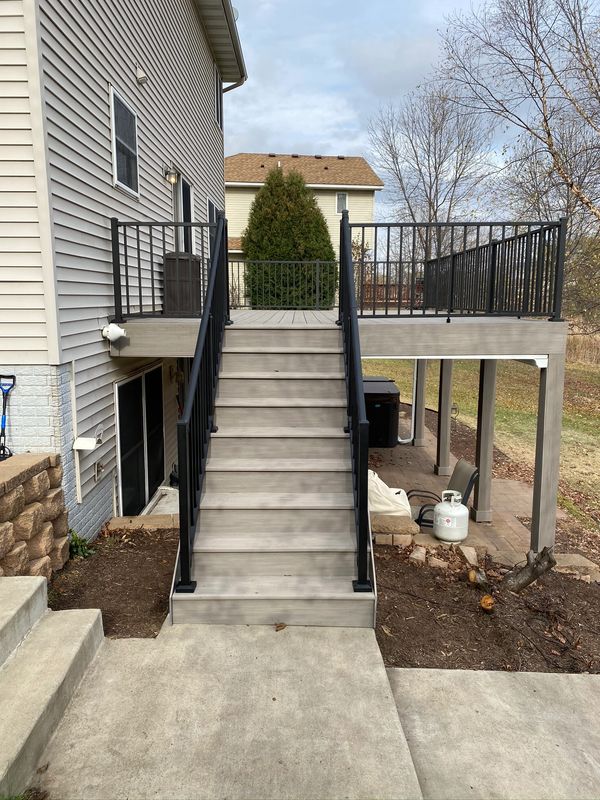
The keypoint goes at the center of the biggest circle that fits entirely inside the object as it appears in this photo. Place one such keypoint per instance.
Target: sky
(319, 70)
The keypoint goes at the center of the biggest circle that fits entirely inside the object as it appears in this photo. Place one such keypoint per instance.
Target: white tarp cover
(385, 500)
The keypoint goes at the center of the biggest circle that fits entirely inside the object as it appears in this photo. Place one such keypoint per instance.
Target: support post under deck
(484, 452)
(547, 453)
(419, 408)
(442, 463)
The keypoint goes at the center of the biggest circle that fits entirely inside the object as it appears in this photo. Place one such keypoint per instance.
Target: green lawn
(516, 412)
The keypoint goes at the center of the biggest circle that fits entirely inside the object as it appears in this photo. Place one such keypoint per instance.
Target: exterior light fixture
(171, 175)
(140, 76)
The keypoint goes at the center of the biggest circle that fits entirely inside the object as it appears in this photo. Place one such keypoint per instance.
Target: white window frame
(113, 143)
(178, 207)
(218, 97)
(337, 196)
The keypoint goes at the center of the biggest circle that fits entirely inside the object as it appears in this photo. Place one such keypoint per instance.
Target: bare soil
(128, 578)
(431, 618)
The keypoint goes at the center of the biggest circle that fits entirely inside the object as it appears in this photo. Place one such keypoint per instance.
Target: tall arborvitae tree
(287, 225)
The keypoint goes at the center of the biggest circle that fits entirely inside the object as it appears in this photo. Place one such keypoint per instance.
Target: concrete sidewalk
(514, 736)
(233, 712)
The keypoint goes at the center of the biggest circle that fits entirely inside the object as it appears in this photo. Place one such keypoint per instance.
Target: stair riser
(312, 482)
(276, 417)
(282, 387)
(333, 613)
(241, 565)
(34, 604)
(279, 448)
(302, 337)
(275, 520)
(282, 362)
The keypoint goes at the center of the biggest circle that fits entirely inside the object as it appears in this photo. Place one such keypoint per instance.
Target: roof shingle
(316, 170)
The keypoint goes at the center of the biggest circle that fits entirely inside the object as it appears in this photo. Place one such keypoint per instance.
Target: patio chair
(462, 480)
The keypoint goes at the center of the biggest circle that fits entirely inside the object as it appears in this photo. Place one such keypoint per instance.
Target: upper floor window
(218, 98)
(124, 144)
(341, 202)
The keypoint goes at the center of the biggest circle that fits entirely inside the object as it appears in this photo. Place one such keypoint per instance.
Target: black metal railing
(358, 425)
(283, 284)
(197, 420)
(160, 268)
(454, 269)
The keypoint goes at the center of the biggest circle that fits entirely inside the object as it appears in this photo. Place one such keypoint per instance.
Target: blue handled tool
(7, 382)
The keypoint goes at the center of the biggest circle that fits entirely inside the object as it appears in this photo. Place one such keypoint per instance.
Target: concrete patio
(505, 538)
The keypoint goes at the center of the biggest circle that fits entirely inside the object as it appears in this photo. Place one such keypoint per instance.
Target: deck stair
(276, 540)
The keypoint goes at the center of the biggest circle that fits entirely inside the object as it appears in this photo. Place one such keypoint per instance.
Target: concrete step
(257, 553)
(275, 412)
(277, 385)
(277, 442)
(322, 336)
(267, 600)
(278, 475)
(23, 601)
(36, 684)
(238, 359)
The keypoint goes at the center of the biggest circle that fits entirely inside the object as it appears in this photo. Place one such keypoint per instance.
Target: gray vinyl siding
(23, 331)
(87, 47)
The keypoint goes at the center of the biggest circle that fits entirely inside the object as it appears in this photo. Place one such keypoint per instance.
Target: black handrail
(358, 424)
(197, 420)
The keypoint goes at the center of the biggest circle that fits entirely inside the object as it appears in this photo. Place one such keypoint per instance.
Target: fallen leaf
(386, 630)
(280, 626)
(487, 602)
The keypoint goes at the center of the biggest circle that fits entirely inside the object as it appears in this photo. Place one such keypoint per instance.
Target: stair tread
(299, 327)
(278, 465)
(280, 402)
(284, 542)
(279, 433)
(271, 587)
(290, 351)
(278, 375)
(273, 501)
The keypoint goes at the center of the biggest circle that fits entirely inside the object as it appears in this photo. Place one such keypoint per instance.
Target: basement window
(124, 144)
(341, 202)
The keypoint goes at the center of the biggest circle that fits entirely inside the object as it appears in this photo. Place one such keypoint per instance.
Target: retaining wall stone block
(41, 567)
(7, 539)
(16, 562)
(54, 504)
(60, 553)
(36, 487)
(42, 544)
(29, 522)
(11, 504)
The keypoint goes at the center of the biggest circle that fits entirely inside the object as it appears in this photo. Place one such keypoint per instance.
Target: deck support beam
(484, 451)
(547, 453)
(419, 404)
(442, 462)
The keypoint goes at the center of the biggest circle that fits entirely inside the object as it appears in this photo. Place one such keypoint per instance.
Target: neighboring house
(339, 183)
(105, 112)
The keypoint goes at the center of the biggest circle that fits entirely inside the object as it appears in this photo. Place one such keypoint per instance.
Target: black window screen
(126, 154)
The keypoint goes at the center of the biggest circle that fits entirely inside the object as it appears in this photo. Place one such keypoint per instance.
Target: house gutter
(233, 31)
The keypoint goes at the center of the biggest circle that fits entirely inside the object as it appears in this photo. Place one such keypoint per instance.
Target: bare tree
(535, 64)
(434, 155)
(529, 188)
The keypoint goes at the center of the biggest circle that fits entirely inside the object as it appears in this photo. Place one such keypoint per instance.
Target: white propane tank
(451, 518)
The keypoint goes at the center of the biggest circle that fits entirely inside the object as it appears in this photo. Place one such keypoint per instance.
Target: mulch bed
(431, 618)
(128, 578)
